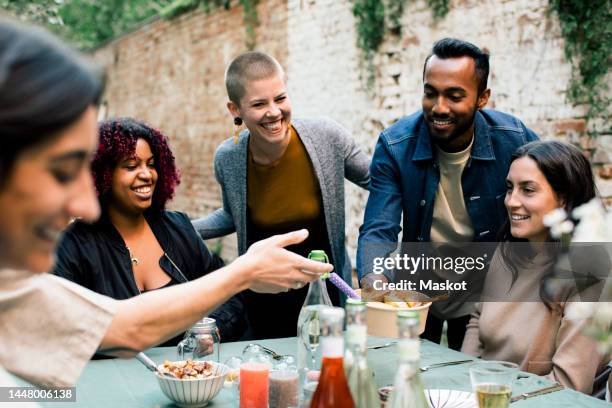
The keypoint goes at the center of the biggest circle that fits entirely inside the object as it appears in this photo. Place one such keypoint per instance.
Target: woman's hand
(273, 269)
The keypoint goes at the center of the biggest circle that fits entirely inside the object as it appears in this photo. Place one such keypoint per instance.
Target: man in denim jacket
(444, 170)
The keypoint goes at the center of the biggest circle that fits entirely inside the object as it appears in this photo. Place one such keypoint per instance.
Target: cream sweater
(539, 340)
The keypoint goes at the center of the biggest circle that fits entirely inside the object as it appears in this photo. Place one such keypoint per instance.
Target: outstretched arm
(149, 319)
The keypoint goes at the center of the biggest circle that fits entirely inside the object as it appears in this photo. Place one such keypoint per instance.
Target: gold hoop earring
(237, 123)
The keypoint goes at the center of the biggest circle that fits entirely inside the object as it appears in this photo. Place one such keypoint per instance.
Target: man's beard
(460, 130)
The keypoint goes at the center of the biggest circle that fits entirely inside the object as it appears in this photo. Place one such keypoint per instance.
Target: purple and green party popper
(333, 277)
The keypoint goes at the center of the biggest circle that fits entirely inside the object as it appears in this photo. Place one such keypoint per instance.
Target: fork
(448, 363)
(379, 346)
(546, 390)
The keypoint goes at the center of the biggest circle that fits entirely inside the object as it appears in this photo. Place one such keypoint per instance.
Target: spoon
(150, 364)
(270, 352)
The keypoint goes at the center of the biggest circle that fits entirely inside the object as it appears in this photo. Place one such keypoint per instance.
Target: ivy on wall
(586, 27)
(375, 18)
(439, 8)
(178, 7)
(370, 15)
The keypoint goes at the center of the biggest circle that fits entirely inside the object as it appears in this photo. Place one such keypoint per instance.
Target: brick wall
(529, 73)
(171, 75)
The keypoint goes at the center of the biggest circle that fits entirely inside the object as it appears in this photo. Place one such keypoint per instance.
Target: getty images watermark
(491, 271)
(404, 263)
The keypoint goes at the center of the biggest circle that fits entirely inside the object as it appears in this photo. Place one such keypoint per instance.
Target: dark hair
(118, 140)
(44, 87)
(570, 176)
(454, 48)
(565, 168)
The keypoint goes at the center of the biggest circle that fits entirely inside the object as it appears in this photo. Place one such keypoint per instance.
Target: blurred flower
(555, 217)
(595, 223)
(595, 226)
(580, 310)
(603, 313)
(562, 229)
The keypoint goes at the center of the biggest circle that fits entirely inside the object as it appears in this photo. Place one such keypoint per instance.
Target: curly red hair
(118, 138)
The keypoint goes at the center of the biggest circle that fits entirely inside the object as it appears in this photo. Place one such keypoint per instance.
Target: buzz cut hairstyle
(250, 66)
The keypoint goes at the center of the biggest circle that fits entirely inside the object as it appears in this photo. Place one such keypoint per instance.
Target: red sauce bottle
(333, 390)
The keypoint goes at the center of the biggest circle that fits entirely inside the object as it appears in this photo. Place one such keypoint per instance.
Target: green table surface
(127, 383)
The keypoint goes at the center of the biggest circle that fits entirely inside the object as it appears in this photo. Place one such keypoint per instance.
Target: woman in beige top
(51, 327)
(533, 330)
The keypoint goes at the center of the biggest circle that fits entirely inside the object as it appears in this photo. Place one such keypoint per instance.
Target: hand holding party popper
(333, 276)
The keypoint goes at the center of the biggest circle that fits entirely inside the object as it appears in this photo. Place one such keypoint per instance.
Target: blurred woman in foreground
(51, 327)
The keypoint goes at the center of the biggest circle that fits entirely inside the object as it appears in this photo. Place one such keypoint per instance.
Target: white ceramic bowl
(381, 318)
(194, 393)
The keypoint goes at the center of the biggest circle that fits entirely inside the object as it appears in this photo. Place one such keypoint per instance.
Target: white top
(50, 327)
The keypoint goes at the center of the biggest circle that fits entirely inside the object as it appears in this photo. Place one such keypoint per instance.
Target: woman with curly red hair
(136, 245)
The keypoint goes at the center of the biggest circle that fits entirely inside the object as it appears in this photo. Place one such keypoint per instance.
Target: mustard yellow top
(286, 192)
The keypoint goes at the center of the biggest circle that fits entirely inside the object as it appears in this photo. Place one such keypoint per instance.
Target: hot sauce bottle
(333, 390)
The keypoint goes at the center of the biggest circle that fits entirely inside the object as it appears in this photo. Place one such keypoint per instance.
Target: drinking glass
(232, 381)
(492, 383)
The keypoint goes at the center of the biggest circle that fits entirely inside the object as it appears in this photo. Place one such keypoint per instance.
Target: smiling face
(450, 101)
(265, 109)
(134, 180)
(529, 197)
(47, 187)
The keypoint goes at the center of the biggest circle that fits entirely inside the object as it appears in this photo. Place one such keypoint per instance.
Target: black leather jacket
(95, 256)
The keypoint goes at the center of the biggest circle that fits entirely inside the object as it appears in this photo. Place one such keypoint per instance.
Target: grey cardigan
(334, 156)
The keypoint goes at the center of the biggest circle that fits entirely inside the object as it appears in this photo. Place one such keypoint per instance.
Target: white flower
(603, 315)
(592, 208)
(558, 230)
(580, 310)
(566, 227)
(555, 217)
(595, 224)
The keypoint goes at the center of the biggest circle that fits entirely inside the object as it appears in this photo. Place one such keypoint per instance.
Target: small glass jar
(202, 340)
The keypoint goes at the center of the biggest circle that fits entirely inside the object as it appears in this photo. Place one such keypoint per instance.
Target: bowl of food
(381, 311)
(194, 383)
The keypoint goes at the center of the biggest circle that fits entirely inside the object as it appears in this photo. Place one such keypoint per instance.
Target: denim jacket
(405, 176)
